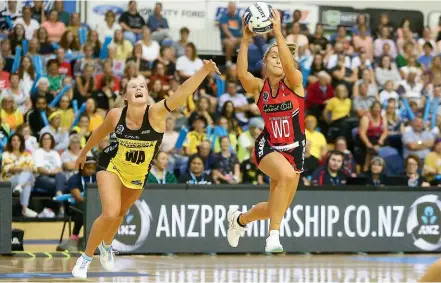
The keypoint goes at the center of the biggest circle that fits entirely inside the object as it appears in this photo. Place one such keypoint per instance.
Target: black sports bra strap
(145, 121)
(122, 118)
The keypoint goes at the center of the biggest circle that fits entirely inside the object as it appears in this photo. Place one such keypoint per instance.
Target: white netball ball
(257, 17)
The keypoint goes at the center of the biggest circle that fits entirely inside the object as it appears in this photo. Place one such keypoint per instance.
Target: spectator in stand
(250, 174)
(388, 93)
(94, 117)
(60, 136)
(432, 164)
(76, 24)
(10, 11)
(189, 64)
(107, 72)
(4, 75)
(55, 79)
(82, 129)
(342, 73)
(69, 156)
(207, 155)
(26, 75)
(46, 47)
(317, 139)
(417, 141)
(131, 71)
(88, 59)
(158, 24)
(51, 178)
(387, 71)
(372, 135)
(34, 47)
(359, 23)
(42, 91)
(227, 168)
(426, 59)
(30, 142)
(240, 102)
(318, 93)
(108, 27)
(361, 63)
(395, 126)
(412, 64)
(363, 102)
(21, 99)
(376, 176)
(410, 88)
(342, 39)
(433, 74)
(338, 110)
(159, 174)
(246, 140)
(68, 81)
(63, 16)
(318, 38)
(196, 136)
(202, 109)
(142, 65)
(132, 22)
(70, 43)
(196, 174)
(233, 132)
(231, 31)
(123, 46)
(17, 168)
(7, 54)
(296, 36)
(55, 28)
(170, 138)
(228, 112)
(338, 52)
(310, 164)
(368, 80)
(150, 48)
(166, 57)
(383, 39)
(77, 185)
(16, 37)
(412, 166)
(408, 51)
(67, 113)
(93, 40)
(33, 117)
(38, 12)
(296, 18)
(10, 114)
(65, 68)
(363, 40)
(157, 92)
(105, 95)
(384, 22)
(330, 174)
(349, 165)
(180, 45)
(427, 38)
(85, 84)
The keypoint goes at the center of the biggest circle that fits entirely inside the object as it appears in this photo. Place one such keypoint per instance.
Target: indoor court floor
(223, 268)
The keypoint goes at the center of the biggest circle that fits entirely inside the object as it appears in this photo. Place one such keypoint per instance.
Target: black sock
(238, 222)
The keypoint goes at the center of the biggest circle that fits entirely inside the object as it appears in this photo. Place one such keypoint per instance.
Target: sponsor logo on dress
(265, 96)
(145, 132)
(119, 129)
(280, 107)
(261, 146)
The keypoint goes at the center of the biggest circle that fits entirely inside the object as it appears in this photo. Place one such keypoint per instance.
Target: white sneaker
(80, 268)
(273, 243)
(234, 229)
(18, 189)
(27, 212)
(107, 257)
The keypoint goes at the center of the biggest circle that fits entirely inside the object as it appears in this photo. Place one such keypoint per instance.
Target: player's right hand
(81, 160)
(247, 34)
(210, 66)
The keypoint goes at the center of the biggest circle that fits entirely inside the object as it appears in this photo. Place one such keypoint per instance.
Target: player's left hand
(275, 20)
(210, 66)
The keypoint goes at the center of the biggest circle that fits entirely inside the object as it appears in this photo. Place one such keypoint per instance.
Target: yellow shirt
(124, 50)
(433, 160)
(95, 121)
(193, 140)
(317, 141)
(67, 118)
(339, 108)
(14, 119)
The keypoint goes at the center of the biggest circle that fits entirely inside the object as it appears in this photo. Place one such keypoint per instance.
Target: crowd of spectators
(372, 96)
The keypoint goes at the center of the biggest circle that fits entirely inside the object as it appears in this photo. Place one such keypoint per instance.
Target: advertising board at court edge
(418, 223)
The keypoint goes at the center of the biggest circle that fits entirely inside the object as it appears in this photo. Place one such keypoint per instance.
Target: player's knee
(287, 177)
(111, 214)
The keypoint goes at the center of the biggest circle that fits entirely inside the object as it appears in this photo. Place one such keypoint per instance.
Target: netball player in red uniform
(279, 150)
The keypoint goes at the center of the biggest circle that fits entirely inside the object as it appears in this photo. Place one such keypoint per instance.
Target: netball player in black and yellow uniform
(125, 164)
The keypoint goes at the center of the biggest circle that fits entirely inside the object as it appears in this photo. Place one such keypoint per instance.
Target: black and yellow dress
(130, 156)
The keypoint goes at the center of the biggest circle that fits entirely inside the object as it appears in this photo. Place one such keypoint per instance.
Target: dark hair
(428, 44)
(31, 69)
(381, 61)
(184, 30)
(9, 144)
(52, 61)
(52, 140)
(341, 138)
(193, 48)
(193, 157)
(336, 152)
(414, 157)
(163, 48)
(158, 4)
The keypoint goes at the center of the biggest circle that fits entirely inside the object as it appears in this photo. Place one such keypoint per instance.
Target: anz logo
(428, 220)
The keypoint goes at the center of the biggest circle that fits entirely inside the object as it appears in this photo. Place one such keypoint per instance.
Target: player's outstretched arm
(293, 75)
(250, 83)
(98, 134)
(179, 98)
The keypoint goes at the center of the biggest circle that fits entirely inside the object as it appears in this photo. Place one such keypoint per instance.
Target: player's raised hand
(275, 20)
(247, 34)
(210, 66)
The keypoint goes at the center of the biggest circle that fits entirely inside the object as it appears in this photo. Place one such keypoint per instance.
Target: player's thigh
(277, 167)
(128, 198)
(109, 187)
(433, 273)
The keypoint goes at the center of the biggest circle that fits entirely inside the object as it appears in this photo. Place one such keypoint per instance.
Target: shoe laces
(84, 264)
(111, 253)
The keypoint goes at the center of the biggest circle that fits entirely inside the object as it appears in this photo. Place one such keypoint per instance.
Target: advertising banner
(170, 220)
(195, 15)
(5, 218)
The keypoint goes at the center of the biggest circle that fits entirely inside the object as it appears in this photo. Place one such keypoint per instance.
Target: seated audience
(226, 169)
(330, 174)
(158, 173)
(412, 168)
(196, 174)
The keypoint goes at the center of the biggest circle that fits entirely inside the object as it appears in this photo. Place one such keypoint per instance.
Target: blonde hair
(292, 47)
